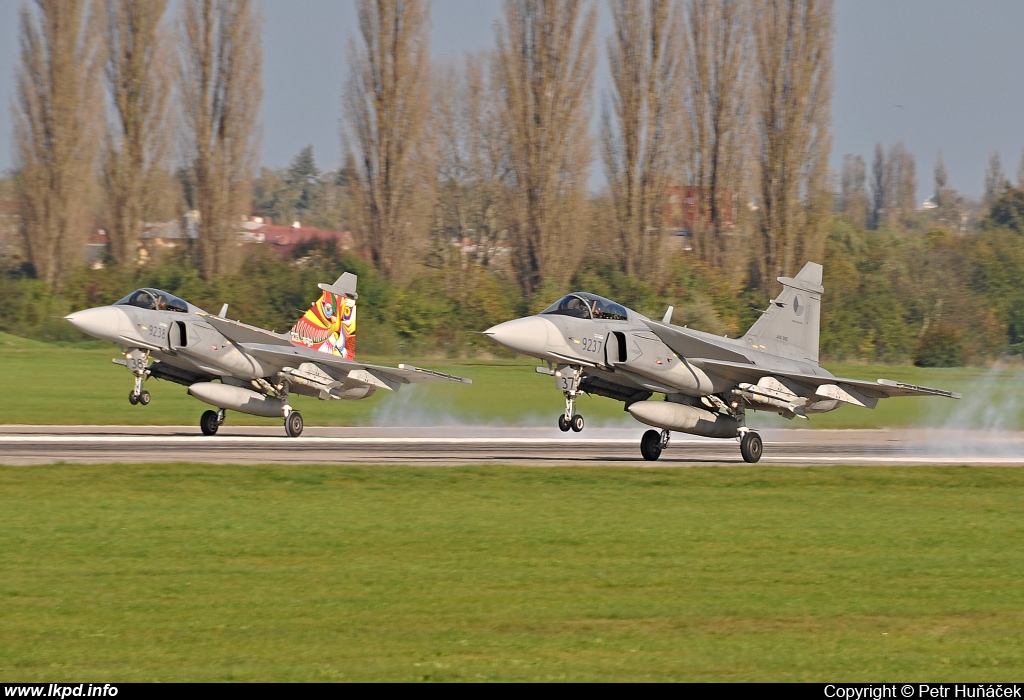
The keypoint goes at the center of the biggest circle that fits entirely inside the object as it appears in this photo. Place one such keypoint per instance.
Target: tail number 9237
(591, 345)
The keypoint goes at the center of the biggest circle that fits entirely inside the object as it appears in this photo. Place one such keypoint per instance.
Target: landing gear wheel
(576, 423)
(751, 447)
(563, 424)
(650, 445)
(293, 424)
(209, 423)
(144, 398)
(132, 398)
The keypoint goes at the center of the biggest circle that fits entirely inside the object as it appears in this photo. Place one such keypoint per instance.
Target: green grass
(197, 572)
(69, 385)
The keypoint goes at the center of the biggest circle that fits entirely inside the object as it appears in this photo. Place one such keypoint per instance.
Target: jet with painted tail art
(234, 366)
(710, 383)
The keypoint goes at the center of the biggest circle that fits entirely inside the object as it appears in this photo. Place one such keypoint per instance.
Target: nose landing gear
(567, 379)
(137, 362)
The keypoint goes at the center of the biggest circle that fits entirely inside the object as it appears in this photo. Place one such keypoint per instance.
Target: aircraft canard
(596, 346)
(235, 366)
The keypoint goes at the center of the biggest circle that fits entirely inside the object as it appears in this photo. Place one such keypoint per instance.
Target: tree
(715, 114)
(469, 155)
(56, 130)
(878, 186)
(387, 106)
(853, 200)
(640, 134)
(220, 82)
(793, 41)
(137, 130)
(941, 181)
(304, 180)
(995, 181)
(900, 183)
(543, 72)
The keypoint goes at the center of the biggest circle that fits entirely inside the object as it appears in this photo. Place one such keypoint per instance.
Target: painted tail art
(330, 324)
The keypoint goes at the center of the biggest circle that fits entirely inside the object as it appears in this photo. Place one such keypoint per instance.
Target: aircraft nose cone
(530, 335)
(103, 322)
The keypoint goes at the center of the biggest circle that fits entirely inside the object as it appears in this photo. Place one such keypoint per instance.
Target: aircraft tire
(751, 447)
(209, 423)
(563, 424)
(132, 398)
(144, 398)
(650, 445)
(576, 423)
(293, 424)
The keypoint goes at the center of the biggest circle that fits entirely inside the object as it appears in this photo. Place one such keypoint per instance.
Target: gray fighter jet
(595, 346)
(231, 365)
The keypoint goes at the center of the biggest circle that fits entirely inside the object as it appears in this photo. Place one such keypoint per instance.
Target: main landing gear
(751, 446)
(567, 379)
(211, 421)
(652, 444)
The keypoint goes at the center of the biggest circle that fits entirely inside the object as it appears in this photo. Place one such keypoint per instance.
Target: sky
(937, 74)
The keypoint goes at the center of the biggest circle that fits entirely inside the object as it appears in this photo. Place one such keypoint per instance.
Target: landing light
(558, 373)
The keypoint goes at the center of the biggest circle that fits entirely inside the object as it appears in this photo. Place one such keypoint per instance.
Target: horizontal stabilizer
(688, 344)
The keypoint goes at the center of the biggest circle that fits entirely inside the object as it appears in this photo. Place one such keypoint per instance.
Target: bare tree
(941, 180)
(900, 183)
(853, 199)
(56, 130)
(137, 130)
(387, 106)
(995, 180)
(716, 110)
(640, 135)
(543, 71)
(794, 76)
(469, 154)
(221, 87)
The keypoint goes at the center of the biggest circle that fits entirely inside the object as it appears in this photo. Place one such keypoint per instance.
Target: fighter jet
(593, 345)
(231, 365)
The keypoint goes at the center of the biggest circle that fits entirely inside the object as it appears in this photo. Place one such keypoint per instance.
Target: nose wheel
(137, 362)
(568, 380)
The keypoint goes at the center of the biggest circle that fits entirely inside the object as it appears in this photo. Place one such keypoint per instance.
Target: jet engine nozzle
(531, 335)
(103, 322)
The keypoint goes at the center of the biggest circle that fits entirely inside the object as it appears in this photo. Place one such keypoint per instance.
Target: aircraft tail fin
(330, 324)
(791, 324)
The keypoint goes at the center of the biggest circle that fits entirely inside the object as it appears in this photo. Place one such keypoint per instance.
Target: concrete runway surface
(456, 445)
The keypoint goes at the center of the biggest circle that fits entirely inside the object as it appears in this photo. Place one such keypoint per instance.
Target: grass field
(189, 572)
(75, 385)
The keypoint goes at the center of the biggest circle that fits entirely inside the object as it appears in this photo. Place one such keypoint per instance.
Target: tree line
(127, 114)
(121, 109)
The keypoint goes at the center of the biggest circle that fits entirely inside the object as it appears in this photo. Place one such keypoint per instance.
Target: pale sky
(938, 74)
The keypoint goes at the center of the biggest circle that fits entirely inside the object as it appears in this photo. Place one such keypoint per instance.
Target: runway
(455, 446)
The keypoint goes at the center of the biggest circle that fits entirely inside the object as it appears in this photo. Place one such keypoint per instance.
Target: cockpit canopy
(154, 299)
(583, 305)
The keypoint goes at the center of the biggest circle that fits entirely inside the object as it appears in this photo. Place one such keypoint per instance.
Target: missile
(238, 399)
(685, 419)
